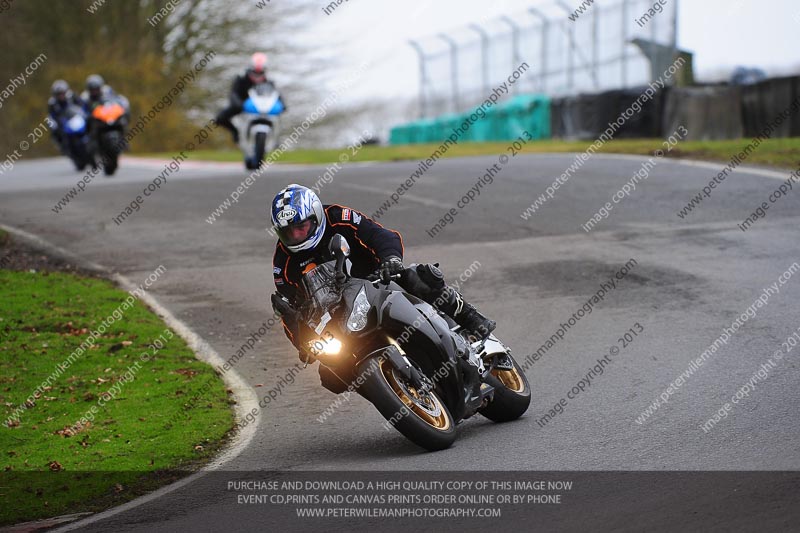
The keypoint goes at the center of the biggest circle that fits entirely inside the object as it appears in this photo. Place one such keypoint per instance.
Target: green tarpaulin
(502, 122)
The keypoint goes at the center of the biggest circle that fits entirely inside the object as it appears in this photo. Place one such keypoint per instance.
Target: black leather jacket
(370, 245)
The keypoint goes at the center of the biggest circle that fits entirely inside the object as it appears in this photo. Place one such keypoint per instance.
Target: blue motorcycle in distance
(75, 129)
(259, 123)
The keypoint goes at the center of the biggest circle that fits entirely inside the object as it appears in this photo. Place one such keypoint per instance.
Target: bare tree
(142, 47)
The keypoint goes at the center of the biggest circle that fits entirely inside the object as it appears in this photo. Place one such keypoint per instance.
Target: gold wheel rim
(439, 421)
(510, 378)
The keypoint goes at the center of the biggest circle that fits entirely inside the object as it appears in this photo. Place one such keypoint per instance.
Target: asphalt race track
(690, 279)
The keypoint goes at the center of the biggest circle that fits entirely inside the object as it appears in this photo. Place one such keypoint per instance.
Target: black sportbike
(414, 364)
(109, 120)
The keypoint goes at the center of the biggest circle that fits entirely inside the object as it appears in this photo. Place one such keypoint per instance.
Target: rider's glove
(305, 357)
(391, 267)
(288, 314)
(281, 306)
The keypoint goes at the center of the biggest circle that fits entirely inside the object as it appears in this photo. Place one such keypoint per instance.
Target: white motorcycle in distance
(258, 124)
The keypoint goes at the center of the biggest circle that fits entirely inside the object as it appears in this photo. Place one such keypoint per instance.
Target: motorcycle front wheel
(420, 416)
(110, 166)
(78, 154)
(110, 144)
(261, 144)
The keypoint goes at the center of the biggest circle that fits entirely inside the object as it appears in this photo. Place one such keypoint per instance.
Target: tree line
(143, 48)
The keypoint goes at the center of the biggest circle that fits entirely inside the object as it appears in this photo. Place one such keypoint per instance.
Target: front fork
(396, 358)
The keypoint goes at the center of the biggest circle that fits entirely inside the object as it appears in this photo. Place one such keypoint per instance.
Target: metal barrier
(590, 48)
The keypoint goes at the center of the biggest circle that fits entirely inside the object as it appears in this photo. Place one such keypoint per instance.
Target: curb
(246, 398)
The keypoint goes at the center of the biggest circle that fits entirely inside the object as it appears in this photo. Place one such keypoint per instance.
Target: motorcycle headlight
(358, 317)
(325, 347)
(76, 123)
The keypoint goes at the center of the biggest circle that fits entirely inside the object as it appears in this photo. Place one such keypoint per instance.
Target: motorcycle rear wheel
(421, 417)
(512, 394)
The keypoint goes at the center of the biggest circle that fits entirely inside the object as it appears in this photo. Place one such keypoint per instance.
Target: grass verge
(133, 381)
(774, 152)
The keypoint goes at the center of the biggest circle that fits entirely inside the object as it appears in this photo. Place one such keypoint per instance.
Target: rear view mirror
(339, 246)
(340, 250)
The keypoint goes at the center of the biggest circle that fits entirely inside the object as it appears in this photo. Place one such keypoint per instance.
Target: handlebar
(376, 279)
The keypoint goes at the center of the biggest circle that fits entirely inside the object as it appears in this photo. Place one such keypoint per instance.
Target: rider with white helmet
(304, 227)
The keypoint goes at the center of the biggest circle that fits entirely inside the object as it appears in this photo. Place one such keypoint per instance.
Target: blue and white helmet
(298, 218)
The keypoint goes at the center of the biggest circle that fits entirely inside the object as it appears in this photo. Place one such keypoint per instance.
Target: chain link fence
(569, 49)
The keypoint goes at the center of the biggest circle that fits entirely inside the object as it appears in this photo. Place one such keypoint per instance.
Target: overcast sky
(721, 33)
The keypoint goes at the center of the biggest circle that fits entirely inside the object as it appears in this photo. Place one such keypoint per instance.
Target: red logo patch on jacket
(345, 214)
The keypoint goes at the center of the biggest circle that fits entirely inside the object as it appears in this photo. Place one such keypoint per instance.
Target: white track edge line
(766, 173)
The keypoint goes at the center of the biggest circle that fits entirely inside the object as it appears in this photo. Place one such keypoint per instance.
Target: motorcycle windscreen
(263, 100)
(263, 89)
(320, 286)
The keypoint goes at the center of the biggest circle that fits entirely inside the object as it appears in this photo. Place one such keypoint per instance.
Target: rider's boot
(464, 314)
(223, 119)
(472, 320)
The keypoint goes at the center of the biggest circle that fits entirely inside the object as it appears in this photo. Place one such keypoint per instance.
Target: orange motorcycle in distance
(109, 120)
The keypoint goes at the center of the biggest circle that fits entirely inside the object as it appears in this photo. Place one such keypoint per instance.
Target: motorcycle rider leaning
(305, 227)
(60, 100)
(96, 91)
(255, 74)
